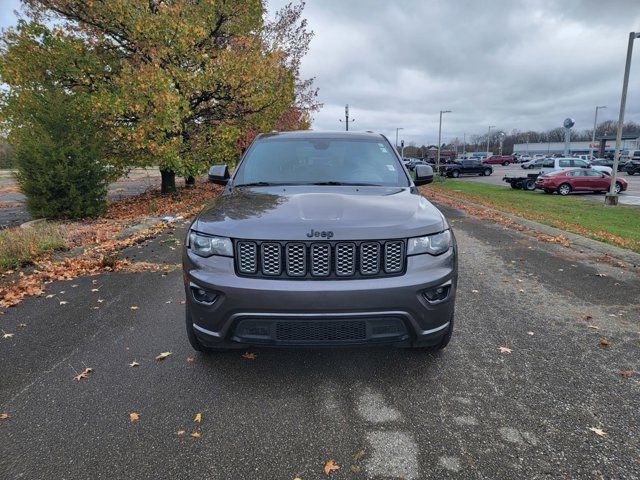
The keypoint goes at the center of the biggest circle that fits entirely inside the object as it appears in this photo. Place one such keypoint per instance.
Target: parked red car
(499, 160)
(581, 180)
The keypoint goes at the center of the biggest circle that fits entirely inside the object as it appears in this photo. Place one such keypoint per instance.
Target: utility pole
(488, 137)
(440, 140)
(346, 117)
(464, 143)
(593, 136)
(611, 198)
(399, 128)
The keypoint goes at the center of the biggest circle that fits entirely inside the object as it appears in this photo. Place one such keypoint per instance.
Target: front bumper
(279, 312)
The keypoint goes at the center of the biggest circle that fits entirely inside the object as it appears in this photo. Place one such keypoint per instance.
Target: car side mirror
(219, 174)
(424, 175)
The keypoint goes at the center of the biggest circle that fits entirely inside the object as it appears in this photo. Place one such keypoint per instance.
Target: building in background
(604, 146)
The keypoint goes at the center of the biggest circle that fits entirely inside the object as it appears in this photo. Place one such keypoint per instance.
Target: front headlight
(431, 244)
(207, 245)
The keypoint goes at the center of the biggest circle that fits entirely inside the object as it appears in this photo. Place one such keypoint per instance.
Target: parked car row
(600, 164)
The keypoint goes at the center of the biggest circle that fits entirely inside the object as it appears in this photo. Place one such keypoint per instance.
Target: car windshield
(324, 161)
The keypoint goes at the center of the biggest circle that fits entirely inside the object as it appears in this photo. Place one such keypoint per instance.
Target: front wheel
(487, 172)
(505, 164)
(564, 189)
(630, 172)
(618, 187)
(530, 185)
(455, 173)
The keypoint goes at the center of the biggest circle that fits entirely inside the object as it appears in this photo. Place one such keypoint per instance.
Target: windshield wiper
(258, 184)
(348, 184)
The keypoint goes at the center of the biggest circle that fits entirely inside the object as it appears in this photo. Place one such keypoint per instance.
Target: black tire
(505, 164)
(564, 189)
(618, 187)
(530, 167)
(487, 172)
(455, 173)
(529, 185)
(514, 185)
(630, 173)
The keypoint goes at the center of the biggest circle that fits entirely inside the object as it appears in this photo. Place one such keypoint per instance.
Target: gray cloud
(524, 64)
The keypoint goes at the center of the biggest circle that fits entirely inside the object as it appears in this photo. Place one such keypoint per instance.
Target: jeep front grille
(319, 260)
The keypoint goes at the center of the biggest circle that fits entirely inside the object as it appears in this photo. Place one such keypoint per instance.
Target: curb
(599, 248)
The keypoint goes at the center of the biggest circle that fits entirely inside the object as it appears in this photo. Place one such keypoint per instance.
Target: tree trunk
(190, 181)
(168, 181)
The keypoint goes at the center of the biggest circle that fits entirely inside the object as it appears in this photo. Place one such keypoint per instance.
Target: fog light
(202, 296)
(437, 294)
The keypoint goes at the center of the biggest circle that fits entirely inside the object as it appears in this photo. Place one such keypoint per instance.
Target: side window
(578, 163)
(564, 163)
(592, 173)
(548, 163)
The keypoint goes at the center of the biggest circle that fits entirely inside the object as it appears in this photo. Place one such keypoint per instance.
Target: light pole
(464, 143)
(397, 129)
(346, 117)
(595, 125)
(488, 137)
(440, 139)
(611, 198)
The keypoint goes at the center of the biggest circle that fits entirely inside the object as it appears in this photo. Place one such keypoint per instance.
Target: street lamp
(440, 139)
(488, 137)
(595, 125)
(611, 198)
(399, 128)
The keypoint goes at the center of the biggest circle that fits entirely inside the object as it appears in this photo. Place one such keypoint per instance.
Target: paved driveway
(469, 412)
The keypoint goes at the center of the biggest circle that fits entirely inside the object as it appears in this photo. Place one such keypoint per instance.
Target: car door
(548, 165)
(475, 167)
(565, 164)
(596, 181)
(578, 180)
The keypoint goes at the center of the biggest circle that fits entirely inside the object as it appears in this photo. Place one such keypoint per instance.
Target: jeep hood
(291, 213)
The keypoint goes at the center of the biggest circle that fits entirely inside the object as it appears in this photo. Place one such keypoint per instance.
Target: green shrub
(57, 155)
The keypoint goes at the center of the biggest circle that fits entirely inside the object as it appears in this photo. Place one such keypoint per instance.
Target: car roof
(301, 134)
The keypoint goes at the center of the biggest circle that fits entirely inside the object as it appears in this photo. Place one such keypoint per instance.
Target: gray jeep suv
(320, 239)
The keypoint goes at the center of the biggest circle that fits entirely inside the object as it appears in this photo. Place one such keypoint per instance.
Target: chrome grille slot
(271, 259)
(369, 258)
(247, 257)
(345, 259)
(320, 259)
(296, 258)
(393, 257)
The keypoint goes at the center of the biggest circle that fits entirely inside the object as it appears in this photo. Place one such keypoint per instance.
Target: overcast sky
(524, 64)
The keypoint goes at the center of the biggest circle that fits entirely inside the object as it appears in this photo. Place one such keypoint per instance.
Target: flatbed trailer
(525, 183)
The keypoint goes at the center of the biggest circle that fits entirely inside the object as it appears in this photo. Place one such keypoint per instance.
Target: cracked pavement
(468, 412)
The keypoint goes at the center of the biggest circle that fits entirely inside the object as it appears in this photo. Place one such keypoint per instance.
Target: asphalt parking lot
(557, 406)
(630, 197)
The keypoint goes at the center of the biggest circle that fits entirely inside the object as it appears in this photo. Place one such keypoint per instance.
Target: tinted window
(592, 173)
(564, 163)
(579, 163)
(576, 173)
(313, 160)
(548, 163)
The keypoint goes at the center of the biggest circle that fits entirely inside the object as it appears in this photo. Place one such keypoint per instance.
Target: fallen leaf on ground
(598, 431)
(4, 416)
(530, 333)
(474, 291)
(355, 469)
(83, 374)
(180, 433)
(191, 359)
(593, 327)
(134, 307)
(95, 289)
(182, 302)
(604, 342)
(21, 325)
(6, 335)
(625, 373)
(100, 300)
(521, 290)
(198, 418)
(63, 302)
(505, 350)
(586, 317)
(360, 455)
(163, 355)
(330, 466)
(195, 434)
(134, 416)
(134, 364)
(51, 295)
(249, 356)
